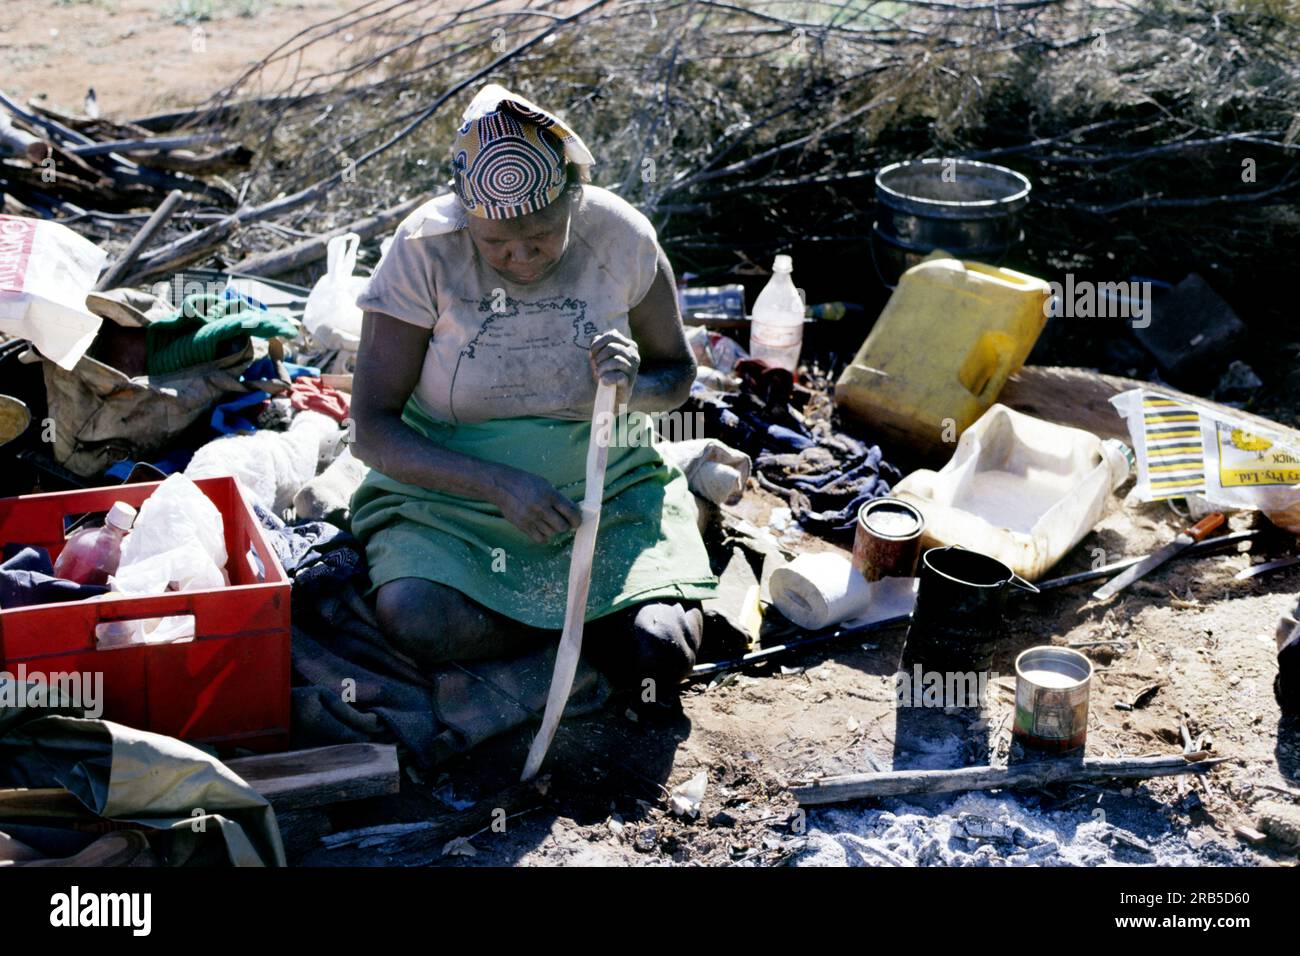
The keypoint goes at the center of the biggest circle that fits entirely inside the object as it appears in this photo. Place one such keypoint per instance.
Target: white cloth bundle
(271, 466)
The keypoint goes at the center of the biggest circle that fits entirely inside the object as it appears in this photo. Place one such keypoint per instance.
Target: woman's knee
(679, 626)
(436, 624)
(424, 617)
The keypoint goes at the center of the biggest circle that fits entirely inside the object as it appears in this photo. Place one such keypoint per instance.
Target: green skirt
(648, 547)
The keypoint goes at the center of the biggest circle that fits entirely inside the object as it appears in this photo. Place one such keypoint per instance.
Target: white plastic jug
(331, 315)
(1018, 489)
(776, 332)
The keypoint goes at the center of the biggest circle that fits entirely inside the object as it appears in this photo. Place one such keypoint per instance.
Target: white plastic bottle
(776, 332)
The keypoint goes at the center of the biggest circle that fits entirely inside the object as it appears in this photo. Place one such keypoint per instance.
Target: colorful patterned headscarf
(510, 154)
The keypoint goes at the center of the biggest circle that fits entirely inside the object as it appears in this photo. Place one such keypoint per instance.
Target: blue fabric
(226, 418)
(27, 578)
(264, 370)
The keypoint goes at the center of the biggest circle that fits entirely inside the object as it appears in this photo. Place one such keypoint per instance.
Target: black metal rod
(702, 671)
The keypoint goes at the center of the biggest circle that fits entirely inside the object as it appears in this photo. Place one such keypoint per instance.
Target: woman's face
(527, 249)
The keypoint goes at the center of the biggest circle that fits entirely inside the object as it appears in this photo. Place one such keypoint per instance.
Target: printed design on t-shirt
(529, 344)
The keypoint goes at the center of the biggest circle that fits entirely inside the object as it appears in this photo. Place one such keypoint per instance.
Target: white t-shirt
(502, 350)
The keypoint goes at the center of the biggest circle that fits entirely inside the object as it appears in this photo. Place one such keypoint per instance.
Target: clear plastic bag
(187, 568)
(176, 514)
(331, 315)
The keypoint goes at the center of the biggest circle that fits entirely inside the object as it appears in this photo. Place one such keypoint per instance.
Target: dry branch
(1040, 773)
(311, 250)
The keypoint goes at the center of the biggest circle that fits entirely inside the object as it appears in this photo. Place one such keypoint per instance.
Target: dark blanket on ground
(350, 684)
(824, 475)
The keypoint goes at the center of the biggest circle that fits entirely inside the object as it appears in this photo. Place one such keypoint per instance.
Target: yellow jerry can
(948, 339)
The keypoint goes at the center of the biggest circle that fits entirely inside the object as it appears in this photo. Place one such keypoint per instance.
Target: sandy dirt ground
(142, 56)
(1205, 639)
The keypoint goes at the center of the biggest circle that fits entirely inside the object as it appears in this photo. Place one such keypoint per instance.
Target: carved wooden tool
(575, 610)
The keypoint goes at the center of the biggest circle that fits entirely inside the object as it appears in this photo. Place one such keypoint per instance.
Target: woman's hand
(533, 505)
(615, 359)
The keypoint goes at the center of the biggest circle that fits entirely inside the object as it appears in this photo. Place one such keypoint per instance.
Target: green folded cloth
(205, 328)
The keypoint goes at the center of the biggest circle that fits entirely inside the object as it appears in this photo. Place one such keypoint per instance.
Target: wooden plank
(1032, 775)
(322, 775)
(1080, 397)
(580, 567)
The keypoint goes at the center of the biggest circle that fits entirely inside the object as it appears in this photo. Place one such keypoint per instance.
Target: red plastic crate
(227, 687)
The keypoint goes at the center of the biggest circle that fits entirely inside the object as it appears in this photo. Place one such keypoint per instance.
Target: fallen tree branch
(310, 250)
(1032, 775)
(159, 144)
(150, 229)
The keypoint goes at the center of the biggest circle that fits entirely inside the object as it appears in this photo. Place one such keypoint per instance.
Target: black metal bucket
(966, 208)
(959, 619)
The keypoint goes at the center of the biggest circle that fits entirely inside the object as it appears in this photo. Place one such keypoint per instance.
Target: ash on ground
(977, 829)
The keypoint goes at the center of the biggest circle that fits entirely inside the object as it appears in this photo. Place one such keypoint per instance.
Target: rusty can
(1052, 686)
(887, 542)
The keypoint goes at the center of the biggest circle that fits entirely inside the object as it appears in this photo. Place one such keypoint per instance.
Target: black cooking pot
(959, 617)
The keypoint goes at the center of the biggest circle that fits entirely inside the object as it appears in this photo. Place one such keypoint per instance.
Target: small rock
(931, 853)
(1125, 838)
(647, 838)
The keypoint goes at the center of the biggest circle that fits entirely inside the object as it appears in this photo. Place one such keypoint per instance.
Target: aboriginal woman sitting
(488, 323)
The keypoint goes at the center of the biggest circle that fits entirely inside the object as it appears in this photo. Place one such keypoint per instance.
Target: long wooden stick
(575, 610)
(118, 269)
(160, 144)
(893, 783)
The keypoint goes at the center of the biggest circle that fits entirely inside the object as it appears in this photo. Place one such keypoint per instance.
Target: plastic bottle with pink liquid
(92, 554)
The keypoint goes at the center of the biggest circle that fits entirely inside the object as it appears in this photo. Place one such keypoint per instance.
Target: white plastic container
(1019, 489)
(776, 331)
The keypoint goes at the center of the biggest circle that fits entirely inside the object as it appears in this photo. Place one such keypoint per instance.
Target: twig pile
(1160, 137)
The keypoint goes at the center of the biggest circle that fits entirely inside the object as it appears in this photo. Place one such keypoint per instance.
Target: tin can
(887, 542)
(1052, 686)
